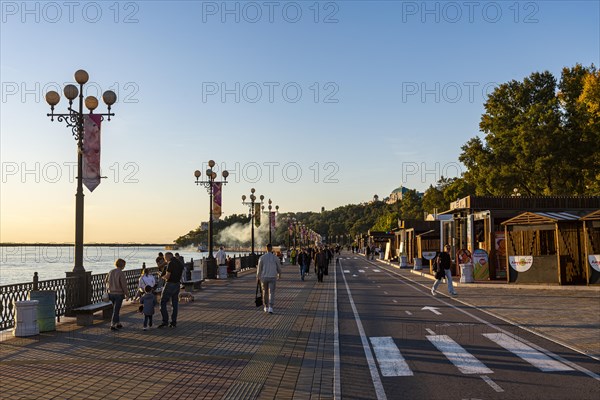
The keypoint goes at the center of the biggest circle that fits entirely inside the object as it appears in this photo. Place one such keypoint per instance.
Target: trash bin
(222, 271)
(418, 264)
(197, 274)
(466, 273)
(26, 318)
(46, 309)
(403, 262)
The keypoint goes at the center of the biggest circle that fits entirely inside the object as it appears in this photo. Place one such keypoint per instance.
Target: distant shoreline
(87, 244)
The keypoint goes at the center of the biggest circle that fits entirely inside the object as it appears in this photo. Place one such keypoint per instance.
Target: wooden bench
(85, 314)
(192, 285)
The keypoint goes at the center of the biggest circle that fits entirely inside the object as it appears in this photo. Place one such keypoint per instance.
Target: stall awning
(535, 218)
(593, 216)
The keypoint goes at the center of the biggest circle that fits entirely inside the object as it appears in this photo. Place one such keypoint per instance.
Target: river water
(18, 264)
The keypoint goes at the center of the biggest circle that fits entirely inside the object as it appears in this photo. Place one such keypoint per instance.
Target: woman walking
(116, 286)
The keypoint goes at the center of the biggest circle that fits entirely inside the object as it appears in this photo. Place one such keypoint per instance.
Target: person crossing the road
(442, 264)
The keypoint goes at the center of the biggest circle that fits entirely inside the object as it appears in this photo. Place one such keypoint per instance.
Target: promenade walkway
(226, 348)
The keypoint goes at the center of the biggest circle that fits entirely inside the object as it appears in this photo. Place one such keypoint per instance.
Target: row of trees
(541, 137)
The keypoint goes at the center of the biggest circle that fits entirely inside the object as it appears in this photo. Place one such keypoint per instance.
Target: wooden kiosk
(591, 239)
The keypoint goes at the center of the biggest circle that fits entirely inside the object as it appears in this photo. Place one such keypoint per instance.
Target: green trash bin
(46, 314)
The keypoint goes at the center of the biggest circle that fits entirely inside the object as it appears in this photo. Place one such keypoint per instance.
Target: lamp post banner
(91, 151)
(257, 214)
(272, 219)
(216, 200)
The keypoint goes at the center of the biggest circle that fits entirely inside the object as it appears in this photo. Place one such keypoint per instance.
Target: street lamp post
(209, 183)
(74, 119)
(270, 208)
(252, 204)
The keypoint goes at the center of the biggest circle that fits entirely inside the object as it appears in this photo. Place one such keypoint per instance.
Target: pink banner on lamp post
(91, 151)
(216, 200)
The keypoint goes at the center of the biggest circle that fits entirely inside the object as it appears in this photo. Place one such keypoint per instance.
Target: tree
(537, 139)
(433, 199)
(411, 206)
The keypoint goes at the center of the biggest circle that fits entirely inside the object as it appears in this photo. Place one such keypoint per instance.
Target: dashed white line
(493, 384)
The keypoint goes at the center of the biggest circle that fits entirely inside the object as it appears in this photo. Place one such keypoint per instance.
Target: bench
(85, 314)
(192, 285)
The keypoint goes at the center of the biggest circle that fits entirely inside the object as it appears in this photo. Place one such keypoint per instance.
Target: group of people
(171, 270)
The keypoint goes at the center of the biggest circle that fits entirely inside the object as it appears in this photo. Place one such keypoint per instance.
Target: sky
(312, 103)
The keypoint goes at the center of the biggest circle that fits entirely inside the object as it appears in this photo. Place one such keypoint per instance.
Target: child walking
(148, 301)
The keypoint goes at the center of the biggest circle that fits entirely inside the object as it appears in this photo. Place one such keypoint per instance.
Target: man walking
(267, 273)
(442, 265)
(221, 258)
(170, 291)
(321, 263)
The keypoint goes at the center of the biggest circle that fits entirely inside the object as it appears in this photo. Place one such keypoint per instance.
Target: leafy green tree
(411, 206)
(433, 199)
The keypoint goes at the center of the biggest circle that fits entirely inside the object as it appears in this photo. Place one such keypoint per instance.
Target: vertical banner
(91, 151)
(272, 219)
(257, 214)
(216, 211)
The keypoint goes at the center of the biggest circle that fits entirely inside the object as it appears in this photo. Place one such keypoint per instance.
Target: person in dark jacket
(442, 264)
(172, 278)
(321, 263)
(303, 261)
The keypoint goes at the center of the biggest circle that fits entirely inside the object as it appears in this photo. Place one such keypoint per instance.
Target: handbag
(105, 296)
(258, 300)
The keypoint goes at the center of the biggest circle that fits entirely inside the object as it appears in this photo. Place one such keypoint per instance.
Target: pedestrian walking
(267, 273)
(321, 263)
(172, 278)
(148, 304)
(303, 260)
(116, 286)
(442, 264)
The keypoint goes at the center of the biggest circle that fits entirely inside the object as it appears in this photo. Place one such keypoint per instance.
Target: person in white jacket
(267, 273)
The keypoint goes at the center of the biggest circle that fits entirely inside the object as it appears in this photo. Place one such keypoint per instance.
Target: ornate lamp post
(209, 184)
(271, 208)
(252, 204)
(74, 119)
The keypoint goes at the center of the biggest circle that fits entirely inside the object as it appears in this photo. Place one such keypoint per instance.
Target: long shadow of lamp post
(82, 293)
(252, 204)
(209, 184)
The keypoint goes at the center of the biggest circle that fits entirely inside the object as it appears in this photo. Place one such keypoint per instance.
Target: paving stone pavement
(223, 347)
(226, 348)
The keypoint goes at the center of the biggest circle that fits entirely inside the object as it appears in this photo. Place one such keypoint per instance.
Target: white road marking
(493, 384)
(395, 301)
(462, 359)
(532, 356)
(379, 391)
(391, 362)
(362, 271)
(376, 270)
(346, 271)
(385, 292)
(337, 379)
(409, 313)
(429, 331)
(579, 368)
(353, 275)
(432, 309)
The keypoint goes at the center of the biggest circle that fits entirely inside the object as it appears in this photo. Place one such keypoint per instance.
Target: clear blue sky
(390, 91)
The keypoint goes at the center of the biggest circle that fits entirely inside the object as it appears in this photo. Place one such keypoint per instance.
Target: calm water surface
(17, 264)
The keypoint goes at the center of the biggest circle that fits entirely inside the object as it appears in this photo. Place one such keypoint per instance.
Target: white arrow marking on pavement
(391, 362)
(532, 356)
(462, 359)
(432, 309)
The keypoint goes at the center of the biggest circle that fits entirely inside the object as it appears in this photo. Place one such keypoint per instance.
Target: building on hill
(397, 195)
